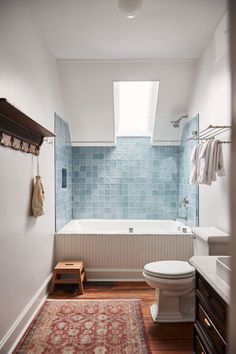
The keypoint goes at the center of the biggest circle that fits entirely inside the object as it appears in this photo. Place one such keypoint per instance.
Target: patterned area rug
(86, 327)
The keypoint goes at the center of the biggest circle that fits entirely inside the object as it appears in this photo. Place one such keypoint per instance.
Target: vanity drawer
(201, 344)
(210, 330)
(213, 304)
(199, 348)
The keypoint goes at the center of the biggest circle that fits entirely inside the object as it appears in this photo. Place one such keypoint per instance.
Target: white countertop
(206, 266)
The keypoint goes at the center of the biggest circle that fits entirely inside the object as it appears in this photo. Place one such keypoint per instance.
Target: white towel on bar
(211, 167)
(204, 158)
(195, 164)
(206, 162)
(220, 170)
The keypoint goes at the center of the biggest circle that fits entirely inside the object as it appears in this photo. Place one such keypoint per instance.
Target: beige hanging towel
(38, 197)
(38, 194)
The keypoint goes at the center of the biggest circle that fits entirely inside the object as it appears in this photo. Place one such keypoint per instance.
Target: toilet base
(167, 309)
(174, 298)
(170, 317)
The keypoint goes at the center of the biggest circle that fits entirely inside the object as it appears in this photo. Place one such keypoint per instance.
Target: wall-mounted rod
(210, 132)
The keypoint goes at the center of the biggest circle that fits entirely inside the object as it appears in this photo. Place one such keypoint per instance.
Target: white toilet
(174, 281)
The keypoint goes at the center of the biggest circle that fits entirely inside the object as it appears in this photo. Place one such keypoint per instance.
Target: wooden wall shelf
(19, 131)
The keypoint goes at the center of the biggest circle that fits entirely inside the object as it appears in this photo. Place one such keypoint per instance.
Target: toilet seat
(169, 269)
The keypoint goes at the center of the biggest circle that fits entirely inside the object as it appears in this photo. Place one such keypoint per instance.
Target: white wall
(212, 100)
(87, 88)
(29, 80)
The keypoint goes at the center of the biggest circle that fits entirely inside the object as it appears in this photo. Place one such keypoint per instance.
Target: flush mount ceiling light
(130, 8)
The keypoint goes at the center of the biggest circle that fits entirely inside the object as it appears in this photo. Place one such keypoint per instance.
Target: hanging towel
(38, 195)
(194, 170)
(206, 162)
(212, 161)
(220, 170)
(204, 158)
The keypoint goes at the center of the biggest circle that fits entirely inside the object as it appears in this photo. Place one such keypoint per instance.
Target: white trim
(165, 143)
(94, 143)
(154, 97)
(116, 106)
(114, 123)
(136, 134)
(16, 331)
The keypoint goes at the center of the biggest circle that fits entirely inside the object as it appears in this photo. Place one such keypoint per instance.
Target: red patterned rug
(86, 327)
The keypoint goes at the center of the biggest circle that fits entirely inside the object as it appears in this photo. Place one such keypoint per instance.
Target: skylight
(135, 107)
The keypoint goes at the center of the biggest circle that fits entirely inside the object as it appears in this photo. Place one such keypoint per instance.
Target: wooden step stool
(69, 268)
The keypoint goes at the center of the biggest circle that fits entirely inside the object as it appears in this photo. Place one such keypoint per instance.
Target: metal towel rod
(210, 132)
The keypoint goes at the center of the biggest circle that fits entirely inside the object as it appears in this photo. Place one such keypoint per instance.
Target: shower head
(176, 122)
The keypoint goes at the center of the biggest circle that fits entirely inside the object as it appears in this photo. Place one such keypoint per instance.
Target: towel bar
(211, 132)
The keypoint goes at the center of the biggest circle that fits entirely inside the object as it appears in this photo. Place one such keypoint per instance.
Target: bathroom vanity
(212, 300)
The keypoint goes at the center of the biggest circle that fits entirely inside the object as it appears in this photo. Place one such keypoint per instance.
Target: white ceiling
(95, 29)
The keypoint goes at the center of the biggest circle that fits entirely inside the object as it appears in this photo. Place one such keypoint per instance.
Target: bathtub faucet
(185, 202)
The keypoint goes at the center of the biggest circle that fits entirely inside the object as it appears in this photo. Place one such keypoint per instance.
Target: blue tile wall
(132, 180)
(186, 189)
(63, 160)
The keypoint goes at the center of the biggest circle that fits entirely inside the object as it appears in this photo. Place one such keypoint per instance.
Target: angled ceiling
(95, 45)
(95, 29)
(87, 88)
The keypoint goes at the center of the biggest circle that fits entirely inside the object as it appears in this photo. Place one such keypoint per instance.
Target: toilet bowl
(174, 282)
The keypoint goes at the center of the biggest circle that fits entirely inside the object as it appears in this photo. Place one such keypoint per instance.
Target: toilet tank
(210, 241)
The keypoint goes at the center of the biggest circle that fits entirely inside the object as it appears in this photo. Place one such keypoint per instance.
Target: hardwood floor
(163, 338)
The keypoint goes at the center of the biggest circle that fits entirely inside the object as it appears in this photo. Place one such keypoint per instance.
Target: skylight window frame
(152, 106)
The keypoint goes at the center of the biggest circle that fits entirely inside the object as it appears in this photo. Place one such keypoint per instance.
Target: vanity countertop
(206, 266)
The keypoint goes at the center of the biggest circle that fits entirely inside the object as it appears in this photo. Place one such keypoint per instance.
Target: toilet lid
(170, 269)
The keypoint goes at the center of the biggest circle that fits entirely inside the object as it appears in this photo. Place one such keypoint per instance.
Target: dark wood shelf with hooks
(19, 131)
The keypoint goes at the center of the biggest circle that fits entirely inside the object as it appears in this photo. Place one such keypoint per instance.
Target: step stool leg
(53, 282)
(81, 288)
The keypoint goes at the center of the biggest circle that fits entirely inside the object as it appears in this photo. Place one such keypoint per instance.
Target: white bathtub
(137, 227)
(110, 250)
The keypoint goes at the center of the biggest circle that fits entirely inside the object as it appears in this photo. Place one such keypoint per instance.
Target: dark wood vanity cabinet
(211, 319)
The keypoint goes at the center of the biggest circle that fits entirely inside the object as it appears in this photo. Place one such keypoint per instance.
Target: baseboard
(12, 337)
(102, 274)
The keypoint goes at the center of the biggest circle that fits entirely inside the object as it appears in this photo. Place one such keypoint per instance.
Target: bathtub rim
(124, 233)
